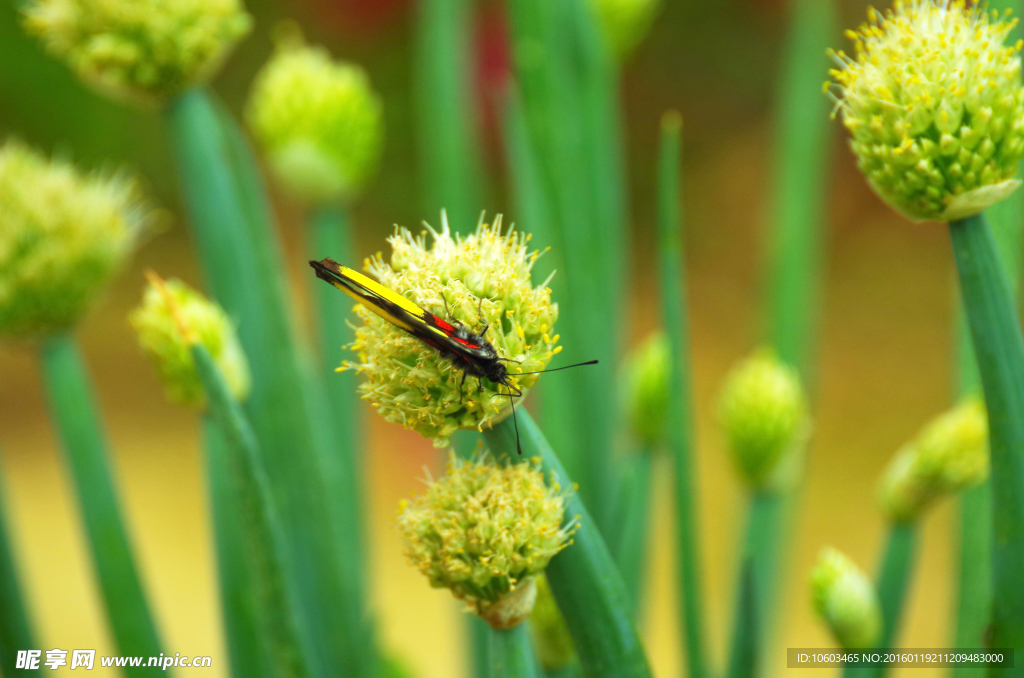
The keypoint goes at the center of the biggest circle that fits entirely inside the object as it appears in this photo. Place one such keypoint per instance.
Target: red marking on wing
(466, 343)
(443, 325)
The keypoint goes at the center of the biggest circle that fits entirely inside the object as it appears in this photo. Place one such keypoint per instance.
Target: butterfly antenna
(515, 421)
(589, 362)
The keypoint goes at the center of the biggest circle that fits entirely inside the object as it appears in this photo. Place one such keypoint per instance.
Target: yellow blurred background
(885, 347)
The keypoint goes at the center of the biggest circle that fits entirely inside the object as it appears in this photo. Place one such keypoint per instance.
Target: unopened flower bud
(625, 23)
(159, 329)
(846, 600)
(934, 104)
(484, 531)
(763, 414)
(318, 120)
(63, 235)
(949, 455)
(647, 375)
(145, 51)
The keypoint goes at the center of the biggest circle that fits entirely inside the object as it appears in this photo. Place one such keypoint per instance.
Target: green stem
(628, 541)
(510, 654)
(674, 318)
(974, 599)
(450, 168)
(238, 248)
(892, 581)
(743, 662)
(235, 450)
(999, 350)
(588, 589)
(15, 629)
(766, 518)
(237, 594)
(85, 447)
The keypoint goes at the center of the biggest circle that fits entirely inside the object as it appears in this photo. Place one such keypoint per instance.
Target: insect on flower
(469, 351)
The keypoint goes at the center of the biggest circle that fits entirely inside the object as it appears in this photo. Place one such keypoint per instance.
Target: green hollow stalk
(760, 561)
(587, 587)
(15, 626)
(72, 408)
(674, 318)
(999, 351)
(894, 577)
(449, 166)
(260, 532)
(628, 534)
(744, 658)
(509, 653)
(241, 259)
(237, 597)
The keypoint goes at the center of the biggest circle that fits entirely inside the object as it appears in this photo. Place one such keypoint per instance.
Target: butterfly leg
(464, 375)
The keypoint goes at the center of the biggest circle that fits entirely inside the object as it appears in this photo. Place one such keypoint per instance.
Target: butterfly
(469, 351)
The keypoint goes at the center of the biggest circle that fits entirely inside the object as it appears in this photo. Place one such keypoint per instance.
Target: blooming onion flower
(484, 531)
(481, 279)
(934, 103)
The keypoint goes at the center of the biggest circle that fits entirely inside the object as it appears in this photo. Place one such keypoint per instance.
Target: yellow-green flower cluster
(950, 454)
(63, 234)
(159, 328)
(625, 23)
(648, 373)
(547, 626)
(934, 102)
(845, 599)
(764, 417)
(484, 531)
(140, 50)
(481, 279)
(319, 121)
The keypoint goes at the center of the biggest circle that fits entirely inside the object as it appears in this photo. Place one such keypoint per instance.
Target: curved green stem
(589, 590)
(69, 393)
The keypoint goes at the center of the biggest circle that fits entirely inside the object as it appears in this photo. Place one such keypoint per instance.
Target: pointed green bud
(63, 235)
(482, 279)
(846, 601)
(625, 23)
(934, 104)
(484, 531)
(144, 51)
(318, 120)
(647, 388)
(158, 321)
(764, 418)
(950, 454)
(547, 626)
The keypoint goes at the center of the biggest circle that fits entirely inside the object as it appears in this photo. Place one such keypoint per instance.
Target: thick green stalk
(765, 519)
(69, 394)
(237, 596)
(240, 256)
(674, 318)
(588, 589)
(449, 166)
(743, 662)
(628, 540)
(893, 578)
(15, 629)
(260, 532)
(510, 654)
(999, 351)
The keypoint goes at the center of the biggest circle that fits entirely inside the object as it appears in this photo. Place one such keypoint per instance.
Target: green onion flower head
(319, 121)
(146, 51)
(63, 235)
(846, 601)
(158, 320)
(949, 455)
(763, 414)
(484, 531)
(547, 626)
(482, 279)
(625, 23)
(934, 104)
(647, 388)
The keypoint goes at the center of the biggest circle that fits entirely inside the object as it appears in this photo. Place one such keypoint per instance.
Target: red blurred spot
(365, 17)
(493, 68)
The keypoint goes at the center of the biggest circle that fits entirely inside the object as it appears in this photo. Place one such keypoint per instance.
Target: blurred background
(886, 341)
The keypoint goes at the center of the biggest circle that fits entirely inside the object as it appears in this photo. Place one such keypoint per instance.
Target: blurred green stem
(743, 662)
(15, 629)
(69, 393)
(510, 654)
(893, 579)
(999, 351)
(449, 166)
(765, 519)
(674, 318)
(628, 540)
(588, 589)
